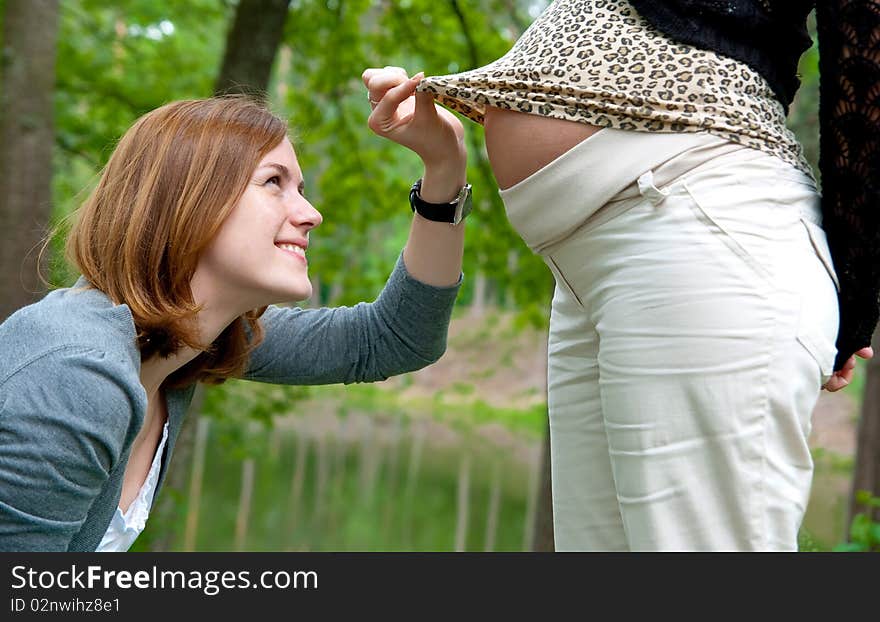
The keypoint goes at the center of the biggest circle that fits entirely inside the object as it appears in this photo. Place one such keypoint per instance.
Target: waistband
(589, 184)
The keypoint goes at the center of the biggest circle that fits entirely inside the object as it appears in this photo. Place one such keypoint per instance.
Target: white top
(125, 528)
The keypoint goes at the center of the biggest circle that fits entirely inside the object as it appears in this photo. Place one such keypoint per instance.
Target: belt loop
(649, 190)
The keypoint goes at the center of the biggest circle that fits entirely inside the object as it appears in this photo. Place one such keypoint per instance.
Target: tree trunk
(494, 507)
(195, 487)
(294, 499)
(417, 445)
(242, 519)
(322, 471)
(26, 139)
(866, 475)
(478, 305)
(463, 502)
(251, 46)
(543, 535)
(542, 539)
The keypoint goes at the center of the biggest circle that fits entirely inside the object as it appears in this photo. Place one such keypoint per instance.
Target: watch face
(464, 204)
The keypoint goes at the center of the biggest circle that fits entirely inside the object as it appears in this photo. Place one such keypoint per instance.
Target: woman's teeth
(293, 249)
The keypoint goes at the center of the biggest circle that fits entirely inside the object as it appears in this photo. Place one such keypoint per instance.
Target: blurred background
(450, 458)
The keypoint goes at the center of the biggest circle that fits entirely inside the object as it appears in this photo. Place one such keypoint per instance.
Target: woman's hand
(433, 250)
(843, 377)
(413, 119)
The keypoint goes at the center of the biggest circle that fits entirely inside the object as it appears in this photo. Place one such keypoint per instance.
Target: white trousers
(692, 326)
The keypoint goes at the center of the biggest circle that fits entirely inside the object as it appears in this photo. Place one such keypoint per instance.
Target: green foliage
(117, 61)
(236, 402)
(864, 532)
(463, 388)
(833, 461)
(444, 405)
(808, 544)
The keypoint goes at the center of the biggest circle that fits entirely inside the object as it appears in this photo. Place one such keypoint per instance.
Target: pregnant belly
(520, 144)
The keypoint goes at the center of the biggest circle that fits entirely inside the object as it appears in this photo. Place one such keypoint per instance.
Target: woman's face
(259, 254)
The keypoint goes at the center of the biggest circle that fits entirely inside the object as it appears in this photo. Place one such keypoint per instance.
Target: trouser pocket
(561, 281)
(772, 234)
(817, 344)
(819, 318)
(820, 244)
(737, 223)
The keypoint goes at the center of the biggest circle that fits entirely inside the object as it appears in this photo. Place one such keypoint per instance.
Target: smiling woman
(198, 226)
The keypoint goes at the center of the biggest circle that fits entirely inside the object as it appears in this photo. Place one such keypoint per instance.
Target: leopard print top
(599, 62)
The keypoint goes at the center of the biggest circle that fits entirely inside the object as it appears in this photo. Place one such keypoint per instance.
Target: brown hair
(172, 180)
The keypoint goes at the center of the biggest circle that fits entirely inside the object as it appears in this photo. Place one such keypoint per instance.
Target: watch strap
(439, 212)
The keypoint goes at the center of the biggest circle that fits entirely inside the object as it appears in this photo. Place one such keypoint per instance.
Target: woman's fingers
(382, 82)
(412, 119)
(842, 378)
(373, 71)
(385, 117)
(400, 92)
(379, 81)
(839, 380)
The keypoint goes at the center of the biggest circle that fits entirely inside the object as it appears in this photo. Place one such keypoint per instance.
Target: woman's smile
(293, 249)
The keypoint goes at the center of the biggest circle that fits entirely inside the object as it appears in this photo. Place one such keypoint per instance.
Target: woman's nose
(305, 215)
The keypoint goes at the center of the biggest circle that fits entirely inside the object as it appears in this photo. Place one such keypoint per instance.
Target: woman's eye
(274, 180)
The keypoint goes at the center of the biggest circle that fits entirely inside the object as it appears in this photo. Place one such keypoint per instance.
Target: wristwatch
(453, 212)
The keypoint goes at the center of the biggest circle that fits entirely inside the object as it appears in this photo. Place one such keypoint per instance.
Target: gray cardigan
(71, 401)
